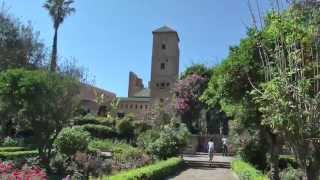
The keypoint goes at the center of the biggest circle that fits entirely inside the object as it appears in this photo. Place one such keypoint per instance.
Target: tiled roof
(135, 99)
(164, 29)
(143, 93)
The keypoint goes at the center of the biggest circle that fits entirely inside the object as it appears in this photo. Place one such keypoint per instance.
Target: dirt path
(203, 173)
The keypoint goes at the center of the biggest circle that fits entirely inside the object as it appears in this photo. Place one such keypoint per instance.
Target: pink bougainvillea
(7, 171)
(188, 91)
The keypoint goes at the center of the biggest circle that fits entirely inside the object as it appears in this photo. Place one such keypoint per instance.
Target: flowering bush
(8, 171)
(187, 91)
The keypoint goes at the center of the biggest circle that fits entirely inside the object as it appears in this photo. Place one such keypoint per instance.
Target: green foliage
(9, 142)
(255, 152)
(291, 174)
(121, 152)
(166, 142)
(17, 155)
(199, 69)
(286, 161)
(20, 46)
(100, 131)
(157, 171)
(71, 140)
(37, 100)
(246, 172)
(125, 128)
(91, 119)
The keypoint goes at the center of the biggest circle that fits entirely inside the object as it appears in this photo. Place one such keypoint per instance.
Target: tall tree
(58, 10)
(20, 46)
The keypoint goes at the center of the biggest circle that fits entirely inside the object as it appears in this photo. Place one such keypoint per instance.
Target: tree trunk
(274, 156)
(312, 170)
(53, 63)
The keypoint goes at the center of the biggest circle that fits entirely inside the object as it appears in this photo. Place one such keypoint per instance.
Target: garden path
(199, 169)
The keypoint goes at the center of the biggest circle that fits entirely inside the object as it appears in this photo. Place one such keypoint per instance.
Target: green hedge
(247, 172)
(11, 149)
(89, 119)
(157, 171)
(17, 155)
(100, 131)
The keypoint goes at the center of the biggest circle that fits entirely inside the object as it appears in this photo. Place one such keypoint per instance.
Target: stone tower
(165, 64)
(135, 84)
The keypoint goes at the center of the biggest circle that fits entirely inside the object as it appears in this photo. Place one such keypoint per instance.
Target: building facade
(164, 74)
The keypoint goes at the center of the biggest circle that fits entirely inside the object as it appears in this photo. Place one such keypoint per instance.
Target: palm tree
(58, 10)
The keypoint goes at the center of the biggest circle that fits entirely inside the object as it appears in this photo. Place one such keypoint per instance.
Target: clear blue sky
(113, 37)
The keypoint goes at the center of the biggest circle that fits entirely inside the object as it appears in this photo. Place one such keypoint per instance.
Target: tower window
(161, 100)
(162, 85)
(162, 66)
(163, 46)
(168, 84)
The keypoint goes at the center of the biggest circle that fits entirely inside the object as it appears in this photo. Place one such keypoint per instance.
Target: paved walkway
(206, 173)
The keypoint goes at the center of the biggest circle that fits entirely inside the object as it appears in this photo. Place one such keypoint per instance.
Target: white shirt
(210, 145)
(224, 141)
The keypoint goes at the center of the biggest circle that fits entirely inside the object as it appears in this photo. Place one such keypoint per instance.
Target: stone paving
(206, 173)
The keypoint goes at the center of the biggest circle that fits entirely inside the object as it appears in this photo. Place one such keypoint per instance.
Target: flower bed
(157, 171)
(7, 171)
(124, 156)
(247, 172)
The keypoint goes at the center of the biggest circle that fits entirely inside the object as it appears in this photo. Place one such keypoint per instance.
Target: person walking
(224, 146)
(210, 149)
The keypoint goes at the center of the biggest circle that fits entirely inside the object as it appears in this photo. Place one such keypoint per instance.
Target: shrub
(9, 142)
(255, 152)
(125, 128)
(100, 131)
(291, 174)
(17, 155)
(164, 143)
(91, 119)
(71, 140)
(157, 171)
(247, 172)
(124, 156)
(286, 161)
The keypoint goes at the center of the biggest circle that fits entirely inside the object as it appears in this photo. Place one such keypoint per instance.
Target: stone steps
(208, 164)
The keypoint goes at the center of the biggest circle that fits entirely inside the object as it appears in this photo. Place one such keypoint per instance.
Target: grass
(157, 171)
(246, 171)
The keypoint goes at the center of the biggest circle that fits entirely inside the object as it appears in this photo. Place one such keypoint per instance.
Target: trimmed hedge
(18, 154)
(89, 119)
(247, 172)
(157, 171)
(11, 149)
(100, 131)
